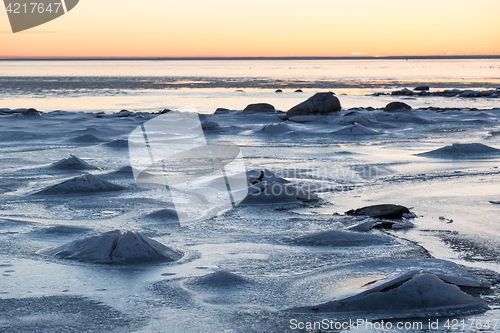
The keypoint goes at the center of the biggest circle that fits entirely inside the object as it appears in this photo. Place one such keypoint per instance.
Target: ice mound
(257, 176)
(336, 238)
(72, 163)
(87, 138)
(334, 283)
(265, 187)
(64, 230)
(113, 247)
(463, 151)
(306, 119)
(219, 279)
(354, 117)
(356, 129)
(270, 192)
(87, 183)
(118, 143)
(166, 214)
(209, 125)
(369, 224)
(275, 129)
(422, 291)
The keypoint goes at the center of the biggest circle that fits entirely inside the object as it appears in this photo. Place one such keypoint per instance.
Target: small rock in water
(208, 125)
(405, 92)
(221, 111)
(259, 107)
(384, 211)
(278, 91)
(422, 87)
(298, 91)
(397, 106)
(31, 112)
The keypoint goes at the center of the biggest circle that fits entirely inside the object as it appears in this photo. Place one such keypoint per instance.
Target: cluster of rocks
(424, 91)
(320, 104)
(24, 112)
(280, 91)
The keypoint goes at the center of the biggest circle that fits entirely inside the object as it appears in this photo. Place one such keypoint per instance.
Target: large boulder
(320, 103)
(259, 107)
(397, 106)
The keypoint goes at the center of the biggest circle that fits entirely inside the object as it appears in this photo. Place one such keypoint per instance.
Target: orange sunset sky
(272, 28)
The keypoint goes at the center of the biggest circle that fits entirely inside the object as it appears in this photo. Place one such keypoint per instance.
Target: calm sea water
(149, 85)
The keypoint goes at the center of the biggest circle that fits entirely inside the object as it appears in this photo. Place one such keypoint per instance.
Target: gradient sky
(235, 28)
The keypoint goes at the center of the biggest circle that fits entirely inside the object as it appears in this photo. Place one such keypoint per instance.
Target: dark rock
(259, 107)
(31, 112)
(470, 93)
(370, 108)
(451, 93)
(164, 111)
(320, 103)
(300, 90)
(404, 92)
(421, 87)
(209, 125)
(124, 113)
(385, 211)
(279, 91)
(396, 106)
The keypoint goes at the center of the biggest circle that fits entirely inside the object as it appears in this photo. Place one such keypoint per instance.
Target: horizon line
(428, 57)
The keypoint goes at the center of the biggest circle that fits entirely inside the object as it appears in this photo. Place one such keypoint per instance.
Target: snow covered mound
(210, 125)
(356, 129)
(463, 151)
(420, 292)
(72, 163)
(87, 183)
(275, 129)
(336, 238)
(87, 138)
(354, 117)
(370, 223)
(265, 187)
(118, 143)
(64, 230)
(116, 248)
(219, 279)
(166, 214)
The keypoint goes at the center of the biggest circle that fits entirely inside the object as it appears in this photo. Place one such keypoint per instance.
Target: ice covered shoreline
(265, 259)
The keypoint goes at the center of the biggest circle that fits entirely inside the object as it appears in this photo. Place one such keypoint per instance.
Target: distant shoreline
(456, 57)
